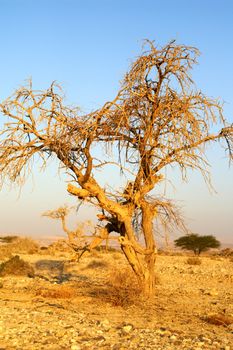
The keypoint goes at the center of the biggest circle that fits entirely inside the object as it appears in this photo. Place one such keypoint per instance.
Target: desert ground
(96, 304)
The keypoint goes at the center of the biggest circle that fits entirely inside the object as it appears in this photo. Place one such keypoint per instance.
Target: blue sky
(87, 46)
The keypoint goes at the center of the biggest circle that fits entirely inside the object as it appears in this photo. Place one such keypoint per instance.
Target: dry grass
(59, 248)
(5, 252)
(123, 288)
(193, 261)
(16, 266)
(116, 255)
(219, 319)
(97, 264)
(18, 245)
(57, 292)
(8, 239)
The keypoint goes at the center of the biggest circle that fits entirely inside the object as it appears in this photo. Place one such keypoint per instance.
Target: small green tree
(197, 243)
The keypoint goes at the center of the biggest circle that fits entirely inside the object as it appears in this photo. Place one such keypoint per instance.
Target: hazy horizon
(88, 47)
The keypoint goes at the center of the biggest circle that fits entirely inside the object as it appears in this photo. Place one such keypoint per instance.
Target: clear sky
(87, 46)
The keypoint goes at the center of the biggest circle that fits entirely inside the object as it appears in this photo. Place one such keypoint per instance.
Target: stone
(126, 329)
(213, 293)
(75, 347)
(173, 337)
(105, 324)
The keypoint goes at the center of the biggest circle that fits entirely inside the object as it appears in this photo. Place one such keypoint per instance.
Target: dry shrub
(8, 239)
(5, 252)
(21, 245)
(215, 257)
(124, 289)
(59, 248)
(43, 249)
(57, 292)
(227, 252)
(17, 245)
(219, 319)
(117, 255)
(96, 264)
(193, 261)
(16, 266)
(231, 259)
(95, 253)
(25, 246)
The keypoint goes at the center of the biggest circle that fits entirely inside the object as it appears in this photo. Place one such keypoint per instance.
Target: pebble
(36, 325)
(75, 347)
(127, 328)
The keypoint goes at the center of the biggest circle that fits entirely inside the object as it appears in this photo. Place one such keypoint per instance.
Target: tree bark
(143, 264)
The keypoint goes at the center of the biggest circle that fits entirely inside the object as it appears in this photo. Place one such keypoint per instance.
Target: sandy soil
(75, 306)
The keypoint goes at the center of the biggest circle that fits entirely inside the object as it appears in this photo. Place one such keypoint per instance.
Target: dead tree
(79, 239)
(158, 119)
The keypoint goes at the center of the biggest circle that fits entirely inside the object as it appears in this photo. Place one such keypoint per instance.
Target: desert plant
(8, 239)
(219, 319)
(157, 120)
(196, 243)
(5, 252)
(16, 266)
(123, 288)
(57, 292)
(97, 264)
(25, 245)
(78, 238)
(227, 252)
(194, 261)
(18, 245)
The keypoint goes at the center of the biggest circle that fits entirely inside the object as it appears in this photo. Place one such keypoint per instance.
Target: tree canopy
(197, 243)
(157, 120)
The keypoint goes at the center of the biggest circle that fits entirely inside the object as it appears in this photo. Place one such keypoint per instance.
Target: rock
(213, 293)
(163, 332)
(173, 337)
(105, 324)
(126, 329)
(75, 347)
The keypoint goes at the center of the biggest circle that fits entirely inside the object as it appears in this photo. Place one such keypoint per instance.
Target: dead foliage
(57, 292)
(8, 239)
(227, 252)
(97, 264)
(5, 252)
(219, 319)
(123, 288)
(193, 261)
(16, 266)
(58, 248)
(157, 120)
(23, 245)
(17, 245)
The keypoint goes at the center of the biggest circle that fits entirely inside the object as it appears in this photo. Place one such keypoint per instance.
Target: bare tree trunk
(144, 268)
(142, 263)
(147, 227)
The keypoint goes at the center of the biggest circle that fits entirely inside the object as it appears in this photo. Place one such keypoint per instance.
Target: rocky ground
(76, 306)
